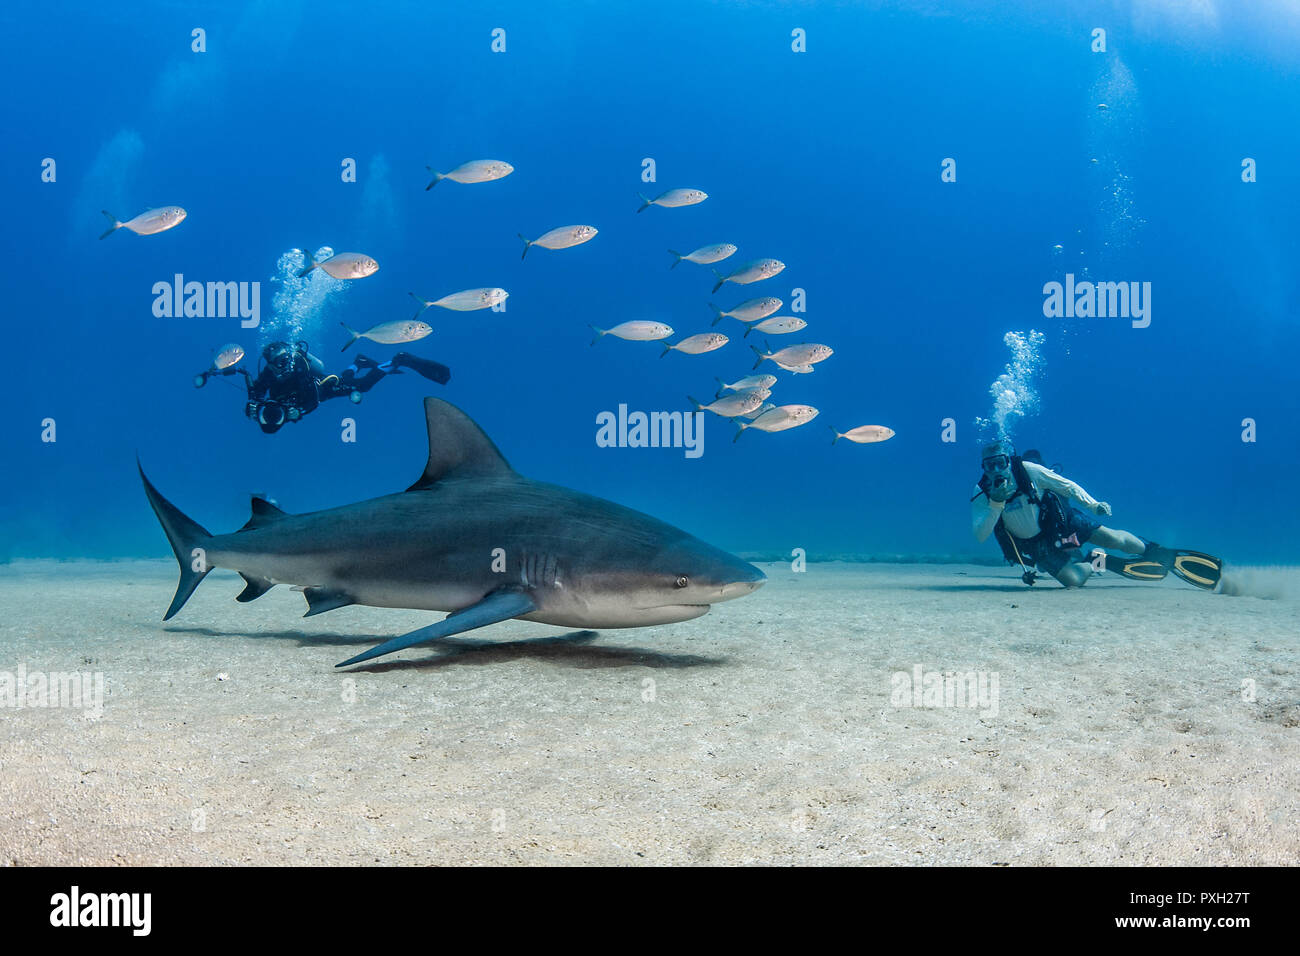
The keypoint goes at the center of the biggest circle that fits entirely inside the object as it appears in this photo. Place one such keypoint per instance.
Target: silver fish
(741, 403)
(705, 255)
(390, 333)
(762, 409)
(563, 237)
(470, 300)
(342, 265)
(228, 355)
(674, 198)
(637, 331)
(778, 325)
(794, 356)
(475, 171)
(751, 310)
(864, 434)
(779, 419)
(148, 223)
(697, 344)
(749, 381)
(754, 271)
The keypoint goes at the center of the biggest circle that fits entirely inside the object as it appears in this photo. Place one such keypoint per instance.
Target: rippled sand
(1134, 724)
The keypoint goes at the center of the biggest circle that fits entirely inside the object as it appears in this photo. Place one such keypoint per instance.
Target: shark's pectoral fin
(320, 600)
(496, 607)
(254, 587)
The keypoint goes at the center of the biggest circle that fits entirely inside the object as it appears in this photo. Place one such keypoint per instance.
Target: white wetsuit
(1019, 516)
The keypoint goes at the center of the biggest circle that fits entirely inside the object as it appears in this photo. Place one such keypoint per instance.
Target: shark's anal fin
(496, 607)
(254, 587)
(264, 513)
(320, 600)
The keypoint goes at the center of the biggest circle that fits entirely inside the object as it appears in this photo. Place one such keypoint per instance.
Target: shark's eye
(683, 581)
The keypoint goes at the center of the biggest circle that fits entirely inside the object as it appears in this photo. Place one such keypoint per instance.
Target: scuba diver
(1042, 519)
(292, 382)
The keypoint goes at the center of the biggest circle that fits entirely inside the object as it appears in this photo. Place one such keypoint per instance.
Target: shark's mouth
(670, 613)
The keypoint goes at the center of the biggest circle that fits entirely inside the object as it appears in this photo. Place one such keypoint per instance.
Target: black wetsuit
(275, 400)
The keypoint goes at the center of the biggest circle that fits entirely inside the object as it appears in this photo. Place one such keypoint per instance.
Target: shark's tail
(356, 335)
(113, 228)
(186, 537)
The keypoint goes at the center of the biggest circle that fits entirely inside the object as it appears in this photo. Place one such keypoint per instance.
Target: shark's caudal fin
(496, 607)
(458, 448)
(186, 538)
(113, 228)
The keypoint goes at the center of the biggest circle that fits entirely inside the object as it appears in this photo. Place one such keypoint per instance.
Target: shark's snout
(747, 582)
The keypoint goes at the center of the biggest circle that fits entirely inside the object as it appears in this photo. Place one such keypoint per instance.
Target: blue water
(828, 159)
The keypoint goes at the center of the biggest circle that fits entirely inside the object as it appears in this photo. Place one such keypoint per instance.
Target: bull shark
(473, 537)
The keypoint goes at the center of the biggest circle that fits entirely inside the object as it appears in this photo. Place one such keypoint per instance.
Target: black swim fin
(433, 371)
(1194, 567)
(1136, 568)
(1202, 570)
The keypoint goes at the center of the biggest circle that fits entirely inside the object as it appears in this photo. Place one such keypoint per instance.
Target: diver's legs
(350, 380)
(1123, 541)
(433, 371)
(1074, 575)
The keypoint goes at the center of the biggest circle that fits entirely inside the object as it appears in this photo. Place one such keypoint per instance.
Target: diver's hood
(996, 462)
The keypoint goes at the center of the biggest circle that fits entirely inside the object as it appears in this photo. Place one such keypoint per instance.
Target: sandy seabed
(1135, 724)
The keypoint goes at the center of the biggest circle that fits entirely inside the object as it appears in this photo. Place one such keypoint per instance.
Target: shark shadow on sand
(574, 649)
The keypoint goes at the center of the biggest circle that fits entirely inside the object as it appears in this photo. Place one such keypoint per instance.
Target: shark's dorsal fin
(458, 448)
(264, 513)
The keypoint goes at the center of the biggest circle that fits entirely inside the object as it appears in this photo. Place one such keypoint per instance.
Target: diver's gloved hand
(1001, 491)
(1102, 508)
(996, 505)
